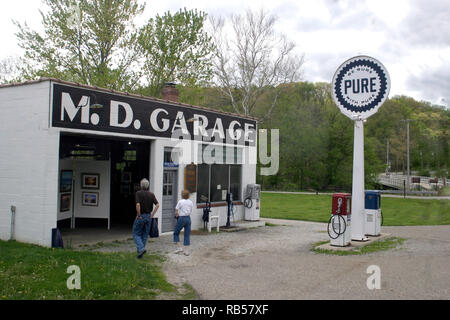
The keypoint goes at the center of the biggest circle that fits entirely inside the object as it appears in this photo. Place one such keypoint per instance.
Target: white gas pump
(252, 202)
(339, 225)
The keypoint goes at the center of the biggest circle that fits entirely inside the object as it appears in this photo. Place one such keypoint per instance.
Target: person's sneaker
(179, 250)
(186, 252)
(141, 254)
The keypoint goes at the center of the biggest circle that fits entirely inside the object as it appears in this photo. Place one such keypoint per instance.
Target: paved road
(382, 195)
(276, 263)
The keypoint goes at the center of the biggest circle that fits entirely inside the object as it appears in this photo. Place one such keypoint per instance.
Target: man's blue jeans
(141, 229)
(183, 222)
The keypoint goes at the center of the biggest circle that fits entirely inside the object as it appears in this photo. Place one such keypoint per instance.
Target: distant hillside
(316, 140)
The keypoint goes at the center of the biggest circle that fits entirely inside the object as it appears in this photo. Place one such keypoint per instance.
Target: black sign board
(87, 109)
(415, 180)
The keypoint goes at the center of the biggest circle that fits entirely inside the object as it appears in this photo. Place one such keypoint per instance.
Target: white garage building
(73, 154)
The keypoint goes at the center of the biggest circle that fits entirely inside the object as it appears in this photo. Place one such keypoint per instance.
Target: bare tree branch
(250, 57)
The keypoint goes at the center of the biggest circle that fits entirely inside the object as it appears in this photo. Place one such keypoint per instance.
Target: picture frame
(89, 199)
(65, 181)
(126, 177)
(65, 201)
(90, 181)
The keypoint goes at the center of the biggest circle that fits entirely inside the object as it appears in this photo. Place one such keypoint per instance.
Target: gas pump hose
(248, 203)
(338, 233)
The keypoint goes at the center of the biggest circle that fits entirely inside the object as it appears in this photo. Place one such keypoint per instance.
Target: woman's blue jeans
(183, 222)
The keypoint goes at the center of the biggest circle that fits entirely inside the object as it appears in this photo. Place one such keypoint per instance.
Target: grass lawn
(33, 272)
(445, 191)
(396, 211)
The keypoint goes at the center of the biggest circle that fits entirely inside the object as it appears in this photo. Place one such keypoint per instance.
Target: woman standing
(183, 212)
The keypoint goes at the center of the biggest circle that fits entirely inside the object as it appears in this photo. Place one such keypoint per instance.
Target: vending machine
(252, 200)
(374, 216)
(339, 225)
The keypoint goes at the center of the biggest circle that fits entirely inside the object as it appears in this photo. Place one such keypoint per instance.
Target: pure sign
(360, 86)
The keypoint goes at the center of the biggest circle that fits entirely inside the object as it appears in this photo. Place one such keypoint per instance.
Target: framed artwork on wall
(89, 199)
(90, 181)
(64, 202)
(65, 181)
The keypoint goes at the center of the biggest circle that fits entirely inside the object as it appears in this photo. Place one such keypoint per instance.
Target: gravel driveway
(275, 262)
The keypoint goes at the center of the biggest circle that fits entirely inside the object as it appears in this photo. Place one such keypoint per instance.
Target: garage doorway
(128, 161)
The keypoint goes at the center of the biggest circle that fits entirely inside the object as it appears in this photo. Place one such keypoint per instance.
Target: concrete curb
(243, 225)
(354, 244)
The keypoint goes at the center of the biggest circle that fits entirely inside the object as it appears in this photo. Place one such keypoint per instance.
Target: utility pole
(421, 161)
(407, 151)
(387, 157)
(408, 173)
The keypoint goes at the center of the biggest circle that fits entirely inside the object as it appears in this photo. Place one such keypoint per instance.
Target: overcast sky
(410, 37)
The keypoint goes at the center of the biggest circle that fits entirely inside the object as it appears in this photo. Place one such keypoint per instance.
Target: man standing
(144, 209)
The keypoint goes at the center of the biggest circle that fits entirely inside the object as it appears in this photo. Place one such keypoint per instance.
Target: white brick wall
(28, 163)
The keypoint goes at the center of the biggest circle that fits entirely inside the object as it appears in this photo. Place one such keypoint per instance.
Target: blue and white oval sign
(360, 86)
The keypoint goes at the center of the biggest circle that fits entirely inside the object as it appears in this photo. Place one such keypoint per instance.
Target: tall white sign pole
(360, 86)
(358, 190)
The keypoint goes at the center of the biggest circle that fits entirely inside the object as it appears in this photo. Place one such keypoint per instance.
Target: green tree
(87, 41)
(429, 134)
(176, 48)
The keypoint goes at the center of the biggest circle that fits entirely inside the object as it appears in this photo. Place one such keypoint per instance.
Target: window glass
(230, 156)
(239, 152)
(235, 182)
(167, 156)
(219, 182)
(215, 180)
(233, 155)
(200, 153)
(167, 183)
(170, 155)
(212, 154)
(202, 182)
(129, 155)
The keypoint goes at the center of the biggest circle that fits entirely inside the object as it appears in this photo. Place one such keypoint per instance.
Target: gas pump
(229, 208)
(252, 202)
(374, 216)
(339, 225)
